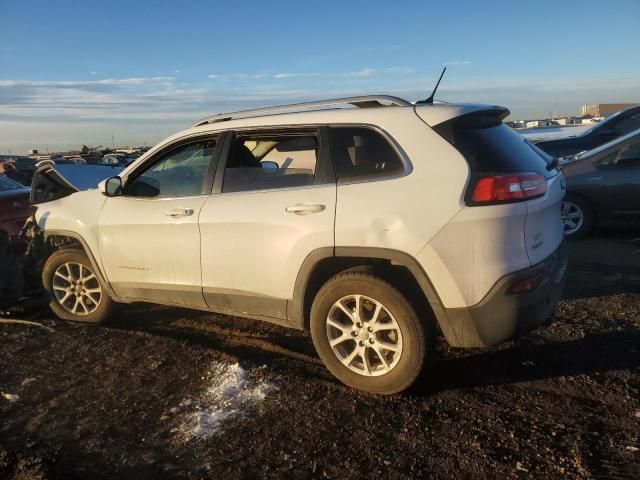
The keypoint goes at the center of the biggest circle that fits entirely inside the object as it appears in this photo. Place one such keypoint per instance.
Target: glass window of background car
(181, 172)
(265, 161)
(628, 124)
(631, 153)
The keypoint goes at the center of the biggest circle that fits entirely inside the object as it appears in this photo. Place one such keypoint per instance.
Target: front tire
(368, 334)
(74, 288)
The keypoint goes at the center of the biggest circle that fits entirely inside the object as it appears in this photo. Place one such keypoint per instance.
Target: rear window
(490, 146)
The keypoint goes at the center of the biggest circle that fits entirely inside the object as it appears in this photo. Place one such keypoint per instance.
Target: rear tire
(74, 288)
(577, 216)
(381, 352)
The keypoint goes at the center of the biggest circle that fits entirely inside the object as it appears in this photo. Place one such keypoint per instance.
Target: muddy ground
(165, 393)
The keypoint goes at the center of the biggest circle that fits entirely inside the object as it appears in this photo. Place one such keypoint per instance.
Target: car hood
(51, 181)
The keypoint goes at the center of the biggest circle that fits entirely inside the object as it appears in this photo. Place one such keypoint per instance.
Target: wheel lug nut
(362, 343)
(359, 325)
(370, 329)
(371, 340)
(354, 333)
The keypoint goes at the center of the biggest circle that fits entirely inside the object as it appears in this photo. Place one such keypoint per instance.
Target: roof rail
(366, 101)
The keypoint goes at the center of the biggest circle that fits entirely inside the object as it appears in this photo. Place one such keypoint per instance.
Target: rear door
(273, 204)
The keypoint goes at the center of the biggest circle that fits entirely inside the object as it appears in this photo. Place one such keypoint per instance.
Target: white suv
(374, 224)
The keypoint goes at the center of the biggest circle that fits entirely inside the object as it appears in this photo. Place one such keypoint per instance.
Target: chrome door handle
(180, 212)
(305, 208)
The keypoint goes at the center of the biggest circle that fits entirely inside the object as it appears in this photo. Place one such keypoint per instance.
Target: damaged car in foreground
(370, 222)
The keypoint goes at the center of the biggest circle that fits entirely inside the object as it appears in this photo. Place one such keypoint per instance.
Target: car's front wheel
(368, 334)
(75, 291)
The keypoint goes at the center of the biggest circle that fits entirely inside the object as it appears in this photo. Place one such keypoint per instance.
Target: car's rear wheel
(577, 216)
(74, 288)
(368, 334)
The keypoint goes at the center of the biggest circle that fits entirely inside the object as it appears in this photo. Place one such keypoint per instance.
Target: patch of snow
(232, 393)
(12, 397)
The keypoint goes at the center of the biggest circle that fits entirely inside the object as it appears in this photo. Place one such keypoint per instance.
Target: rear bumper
(501, 316)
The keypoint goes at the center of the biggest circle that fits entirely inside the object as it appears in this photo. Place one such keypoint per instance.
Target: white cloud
(296, 75)
(82, 83)
(214, 76)
(458, 62)
(365, 72)
(403, 70)
(93, 72)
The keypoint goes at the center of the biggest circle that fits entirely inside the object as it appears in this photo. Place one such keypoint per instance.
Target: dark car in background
(14, 206)
(603, 186)
(615, 126)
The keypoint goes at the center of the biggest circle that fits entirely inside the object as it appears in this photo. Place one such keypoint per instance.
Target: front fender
(76, 216)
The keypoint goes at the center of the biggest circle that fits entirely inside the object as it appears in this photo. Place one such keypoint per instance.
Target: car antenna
(429, 100)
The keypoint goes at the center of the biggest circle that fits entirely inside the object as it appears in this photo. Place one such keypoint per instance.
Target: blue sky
(74, 72)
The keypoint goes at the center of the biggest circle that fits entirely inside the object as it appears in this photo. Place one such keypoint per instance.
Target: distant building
(604, 109)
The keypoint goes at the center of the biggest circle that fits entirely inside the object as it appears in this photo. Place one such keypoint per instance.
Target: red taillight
(508, 188)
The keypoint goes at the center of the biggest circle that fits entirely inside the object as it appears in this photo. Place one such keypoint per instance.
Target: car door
(623, 184)
(273, 204)
(149, 236)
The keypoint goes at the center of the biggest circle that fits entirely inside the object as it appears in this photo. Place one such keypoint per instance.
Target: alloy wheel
(572, 217)
(364, 335)
(76, 288)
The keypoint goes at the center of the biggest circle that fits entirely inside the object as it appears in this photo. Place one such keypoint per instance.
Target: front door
(149, 235)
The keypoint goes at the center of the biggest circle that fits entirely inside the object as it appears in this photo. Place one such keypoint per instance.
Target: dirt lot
(170, 393)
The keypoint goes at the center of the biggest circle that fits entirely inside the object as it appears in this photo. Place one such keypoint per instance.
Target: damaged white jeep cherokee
(370, 221)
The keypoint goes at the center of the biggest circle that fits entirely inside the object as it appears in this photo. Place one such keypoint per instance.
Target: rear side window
(490, 146)
(361, 153)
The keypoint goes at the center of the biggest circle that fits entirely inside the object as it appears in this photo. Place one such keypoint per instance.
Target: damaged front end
(21, 260)
(21, 263)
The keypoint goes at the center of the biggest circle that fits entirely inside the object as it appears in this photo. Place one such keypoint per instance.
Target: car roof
(387, 111)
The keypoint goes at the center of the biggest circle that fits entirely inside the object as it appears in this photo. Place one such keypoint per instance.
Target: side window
(269, 160)
(181, 172)
(628, 124)
(360, 153)
(631, 155)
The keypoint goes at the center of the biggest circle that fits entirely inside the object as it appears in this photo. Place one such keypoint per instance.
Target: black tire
(588, 217)
(104, 305)
(417, 335)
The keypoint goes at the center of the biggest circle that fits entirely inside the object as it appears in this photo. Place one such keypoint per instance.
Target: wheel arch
(398, 268)
(66, 239)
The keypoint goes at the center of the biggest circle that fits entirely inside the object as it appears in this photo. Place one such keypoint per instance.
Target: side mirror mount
(111, 187)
